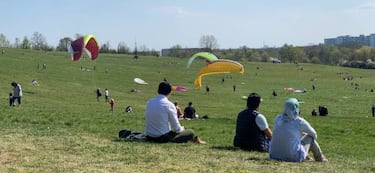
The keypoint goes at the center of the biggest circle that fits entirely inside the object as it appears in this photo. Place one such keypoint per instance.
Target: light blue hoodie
(286, 136)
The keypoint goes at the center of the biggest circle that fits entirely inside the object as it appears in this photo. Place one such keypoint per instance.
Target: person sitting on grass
(162, 124)
(252, 131)
(190, 112)
(293, 137)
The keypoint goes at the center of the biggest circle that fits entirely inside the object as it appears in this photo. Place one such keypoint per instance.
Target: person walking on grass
(162, 124)
(293, 137)
(98, 94)
(17, 93)
(106, 95)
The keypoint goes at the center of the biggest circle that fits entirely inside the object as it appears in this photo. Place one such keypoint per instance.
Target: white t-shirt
(261, 122)
(161, 117)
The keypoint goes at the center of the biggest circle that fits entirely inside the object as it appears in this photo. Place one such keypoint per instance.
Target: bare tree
(122, 48)
(78, 35)
(4, 42)
(208, 42)
(38, 41)
(64, 43)
(17, 43)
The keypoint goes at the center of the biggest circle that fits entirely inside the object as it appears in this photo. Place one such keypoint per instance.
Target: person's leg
(312, 145)
(183, 136)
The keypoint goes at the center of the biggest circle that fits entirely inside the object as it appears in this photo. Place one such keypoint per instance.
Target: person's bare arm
(268, 133)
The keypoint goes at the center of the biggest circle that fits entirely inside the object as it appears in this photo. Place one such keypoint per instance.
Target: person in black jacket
(252, 131)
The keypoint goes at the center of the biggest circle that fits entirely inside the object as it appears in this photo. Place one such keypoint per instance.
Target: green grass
(60, 126)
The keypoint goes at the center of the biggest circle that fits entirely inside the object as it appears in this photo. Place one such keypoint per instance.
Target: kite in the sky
(180, 88)
(88, 44)
(218, 67)
(206, 55)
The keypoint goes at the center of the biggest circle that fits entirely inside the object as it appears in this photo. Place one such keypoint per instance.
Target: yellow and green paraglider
(88, 44)
(218, 67)
(206, 55)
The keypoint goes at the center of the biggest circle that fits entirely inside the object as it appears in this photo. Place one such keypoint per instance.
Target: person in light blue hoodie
(293, 137)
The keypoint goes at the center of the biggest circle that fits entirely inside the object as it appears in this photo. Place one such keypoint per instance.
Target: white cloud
(367, 6)
(176, 11)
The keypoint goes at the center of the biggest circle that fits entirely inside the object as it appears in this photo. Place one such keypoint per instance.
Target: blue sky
(161, 24)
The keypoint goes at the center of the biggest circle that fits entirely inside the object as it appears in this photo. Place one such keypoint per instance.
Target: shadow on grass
(257, 157)
(228, 148)
(29, 92)
(116, 139)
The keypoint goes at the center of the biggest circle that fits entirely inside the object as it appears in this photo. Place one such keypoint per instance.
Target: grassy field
(60, 126)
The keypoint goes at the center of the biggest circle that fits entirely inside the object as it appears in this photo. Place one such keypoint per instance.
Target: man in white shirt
(162, 124)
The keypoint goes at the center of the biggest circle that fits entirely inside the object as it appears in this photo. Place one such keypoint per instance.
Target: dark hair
(190, 103)
(14, 84)
(164, 88)
(253, 101)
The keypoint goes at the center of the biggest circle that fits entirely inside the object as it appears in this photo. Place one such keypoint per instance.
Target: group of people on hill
(106, 98)
(291, 139)
(188, 113)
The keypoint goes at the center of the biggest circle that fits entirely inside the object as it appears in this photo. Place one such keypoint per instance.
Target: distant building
(188, 51)
(362, 39)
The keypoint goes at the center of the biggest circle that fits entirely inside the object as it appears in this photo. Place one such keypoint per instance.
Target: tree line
(348, 55)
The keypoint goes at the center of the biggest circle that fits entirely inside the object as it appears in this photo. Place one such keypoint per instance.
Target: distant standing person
(252, 131)
(17, 92)
(106, 95)
(11, 100)
(190, 112)
(274, 93)
(207, 89)
(112, 104)
(373, 110)
(234, 88)
(98, 94)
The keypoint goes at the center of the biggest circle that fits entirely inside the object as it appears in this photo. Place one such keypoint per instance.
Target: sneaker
(308, 158)
(323, 159)
(198, 140)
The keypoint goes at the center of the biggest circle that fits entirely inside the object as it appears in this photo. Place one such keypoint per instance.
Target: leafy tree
(287, 53)
(63, 44)
(25, 43)
(104, 48)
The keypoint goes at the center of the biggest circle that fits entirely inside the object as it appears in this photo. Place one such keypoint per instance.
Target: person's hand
(182, 128)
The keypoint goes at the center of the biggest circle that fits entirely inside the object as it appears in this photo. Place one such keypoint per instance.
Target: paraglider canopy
(218, 67)
(88, 44)
(206, 55)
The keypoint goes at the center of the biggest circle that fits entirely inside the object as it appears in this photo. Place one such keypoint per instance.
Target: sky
(159, 24)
